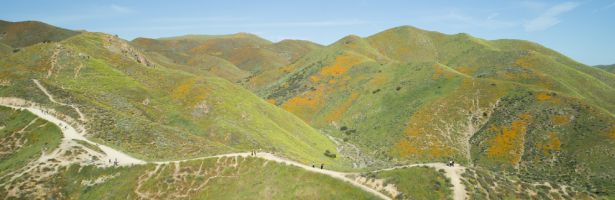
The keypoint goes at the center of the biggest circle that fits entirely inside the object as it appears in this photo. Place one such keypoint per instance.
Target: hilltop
(409, 95)
(236, 58)
(514, 113)
(23, 34)
(151, 111)
(608, 68)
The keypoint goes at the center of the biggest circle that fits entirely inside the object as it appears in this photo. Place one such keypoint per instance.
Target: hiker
(251, 153)
(452, 163)
(92, 159)
(109, 160)
(313, 164)
(115, 163)
(254, 153)
(322, 165)
(60, 123)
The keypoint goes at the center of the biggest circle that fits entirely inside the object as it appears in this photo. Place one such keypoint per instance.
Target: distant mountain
(608, 68)
(236, 58)
(409, 95)
(23, 34)
(515, 113)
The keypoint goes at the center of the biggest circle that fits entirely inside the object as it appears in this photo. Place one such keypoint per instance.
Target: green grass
(158, 113)
(608, 68)
(90, 146)
(280, 181)
(27, 33)
(38, 135)
(252, 178)
(418, 182)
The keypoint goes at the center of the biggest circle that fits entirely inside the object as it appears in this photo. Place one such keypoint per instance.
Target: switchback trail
(71, 133)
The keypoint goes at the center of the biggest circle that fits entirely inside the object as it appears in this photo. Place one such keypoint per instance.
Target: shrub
(329, 154)
(345, 139)
(398, 88)
(343, 128)
(15, 50)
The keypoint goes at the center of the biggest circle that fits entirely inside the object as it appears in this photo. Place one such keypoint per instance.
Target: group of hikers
(451, 163)
(114, 162)
(253, 153)
(321, 165)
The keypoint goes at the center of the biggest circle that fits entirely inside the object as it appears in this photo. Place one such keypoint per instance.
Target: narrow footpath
(71, 133)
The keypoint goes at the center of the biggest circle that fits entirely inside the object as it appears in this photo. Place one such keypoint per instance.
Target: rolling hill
(516, 114)
(409, 95)
(150, 111)
(23, 34)
(608, 68)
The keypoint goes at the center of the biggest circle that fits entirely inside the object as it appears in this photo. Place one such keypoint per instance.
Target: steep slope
(408, 95)
(150, 111)
(23, 34)
(608, 68)
(5, 49)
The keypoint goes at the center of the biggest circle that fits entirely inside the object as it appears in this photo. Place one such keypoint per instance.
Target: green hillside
(204, 65)
(154, 112)
(5, 49)
(255, 55)
(409, 95)
(608, 68)
(23, 34)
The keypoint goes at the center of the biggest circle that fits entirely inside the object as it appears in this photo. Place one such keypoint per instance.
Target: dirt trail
(454, 173)
(124, 159)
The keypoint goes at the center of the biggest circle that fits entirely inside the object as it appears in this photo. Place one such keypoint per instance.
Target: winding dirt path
(454, 173)
(124, 159)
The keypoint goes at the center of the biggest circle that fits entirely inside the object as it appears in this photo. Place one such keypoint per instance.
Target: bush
(15, 50)
(345, 139)
(329, 154)
(343, 128)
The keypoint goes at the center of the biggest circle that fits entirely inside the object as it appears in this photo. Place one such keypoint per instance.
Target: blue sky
(581, 30)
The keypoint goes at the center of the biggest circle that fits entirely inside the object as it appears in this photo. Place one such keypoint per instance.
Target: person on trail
(251, 153)
(115, 163)
(322, 165)
(254, 153)
(452, 163)
(313, 164)
(92, 159)
(109, 160)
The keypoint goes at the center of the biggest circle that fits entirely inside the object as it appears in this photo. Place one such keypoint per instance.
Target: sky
(581, 30)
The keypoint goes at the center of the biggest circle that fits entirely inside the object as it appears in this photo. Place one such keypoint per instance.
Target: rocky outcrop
(116, 45)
